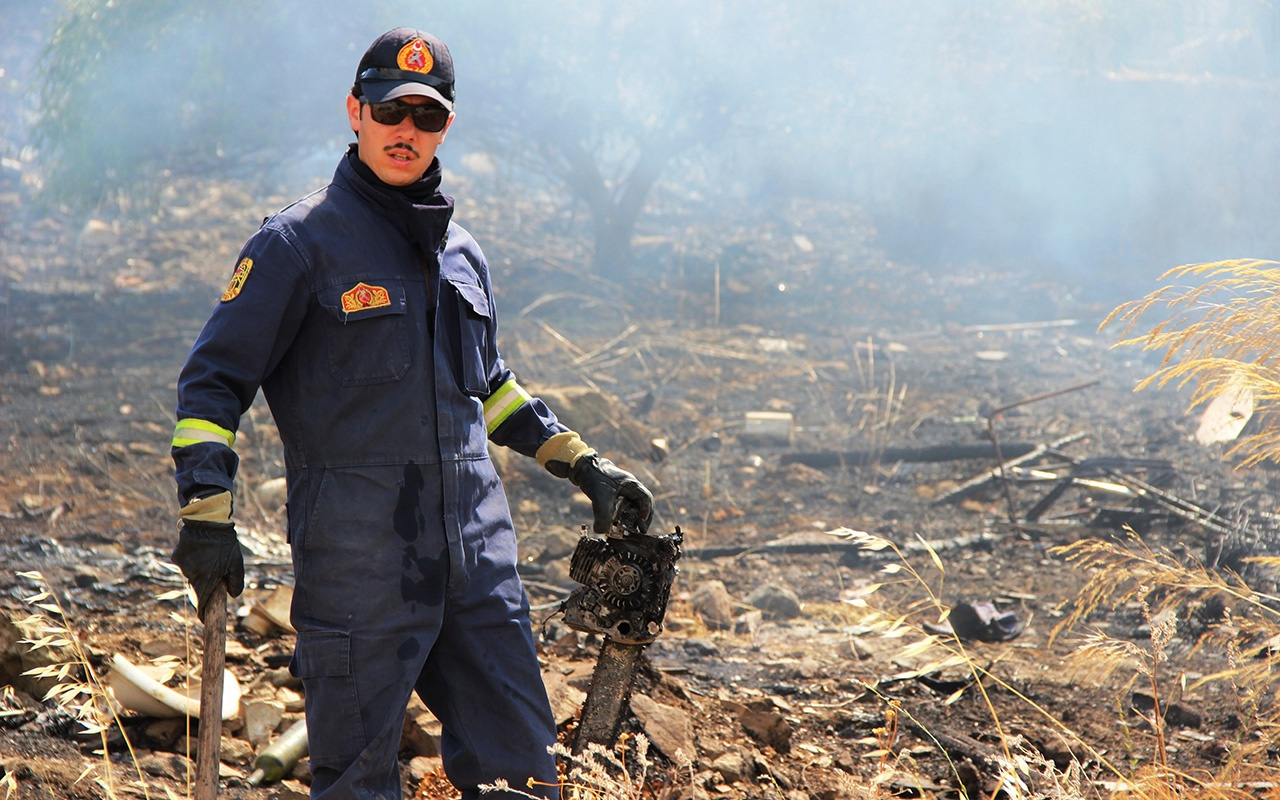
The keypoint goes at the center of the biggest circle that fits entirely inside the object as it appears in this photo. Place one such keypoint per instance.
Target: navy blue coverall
(367, 319)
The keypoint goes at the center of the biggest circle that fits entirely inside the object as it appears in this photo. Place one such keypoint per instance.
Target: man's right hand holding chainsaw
(617, 496)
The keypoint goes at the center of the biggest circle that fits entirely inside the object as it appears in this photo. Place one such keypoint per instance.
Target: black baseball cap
(402, 62)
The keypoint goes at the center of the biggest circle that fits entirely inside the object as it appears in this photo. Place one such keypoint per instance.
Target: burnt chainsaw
(626, 580)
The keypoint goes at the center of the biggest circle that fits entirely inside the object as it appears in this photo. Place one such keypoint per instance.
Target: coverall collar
(419, 209)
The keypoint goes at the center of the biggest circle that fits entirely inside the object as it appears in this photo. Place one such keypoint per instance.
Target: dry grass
(1167, 590)
(1239, 623)
(78, 688)
(1220, 334)
(1223, 331)
(596, 773)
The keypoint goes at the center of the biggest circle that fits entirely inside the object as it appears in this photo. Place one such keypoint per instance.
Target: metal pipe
(273, 763)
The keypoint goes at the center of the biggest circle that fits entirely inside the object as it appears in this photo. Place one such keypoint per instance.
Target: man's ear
(447, 125)
(353, 113)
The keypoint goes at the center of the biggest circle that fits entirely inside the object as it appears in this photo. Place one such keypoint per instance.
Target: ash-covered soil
(774, 677)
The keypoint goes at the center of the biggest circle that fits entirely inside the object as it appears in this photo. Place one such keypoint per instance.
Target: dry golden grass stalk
(596, 773)
(79, 689)
(1222, 336)
(1026, 774)
(1219, 335)
(1131, 571)
(10, 785)
(1244, 633)
(1124, 572)
(951, 650)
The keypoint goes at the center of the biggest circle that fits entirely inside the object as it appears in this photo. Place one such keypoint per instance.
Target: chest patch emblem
(237, 279)
(363, 297)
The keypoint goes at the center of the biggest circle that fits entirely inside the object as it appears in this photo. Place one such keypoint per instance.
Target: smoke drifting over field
(1109, 140)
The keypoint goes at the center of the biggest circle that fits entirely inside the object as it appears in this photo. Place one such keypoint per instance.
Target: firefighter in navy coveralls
(366, 316)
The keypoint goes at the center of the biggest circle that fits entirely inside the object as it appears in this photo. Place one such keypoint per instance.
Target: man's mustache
(400, 146)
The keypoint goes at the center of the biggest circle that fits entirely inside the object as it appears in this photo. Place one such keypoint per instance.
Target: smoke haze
(1106, 140)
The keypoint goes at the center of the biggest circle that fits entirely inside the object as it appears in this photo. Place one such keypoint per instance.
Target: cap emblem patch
(363, 297)
(237, 279)
(415, 57)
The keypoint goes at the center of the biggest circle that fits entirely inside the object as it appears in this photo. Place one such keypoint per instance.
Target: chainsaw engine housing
(626, 583)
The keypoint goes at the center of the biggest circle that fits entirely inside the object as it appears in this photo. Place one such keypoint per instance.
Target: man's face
(398, 154)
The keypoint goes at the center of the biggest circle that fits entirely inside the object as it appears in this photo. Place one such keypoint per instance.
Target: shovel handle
(210, 735)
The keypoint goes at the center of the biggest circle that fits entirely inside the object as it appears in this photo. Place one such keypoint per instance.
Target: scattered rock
(292, 700)
(86, 577)
(762, 719)
(17, 658)
(557, 543)
(733, 768)
(155, 648)
(271, 614)
(601, 419)
(290, 790)
(557, 574)
(164, 765)
(165, 733)
(566, 699)
(748, 623)
(261, 718)
(713, 605)
(225, 770)
(237, 653)
(272, 493)
(796, 474)
(700, 648)
(669, 729)
(422, 766)
(281, 677)
(777, 602)
(422, 733)
(235, 751)
(850, 648)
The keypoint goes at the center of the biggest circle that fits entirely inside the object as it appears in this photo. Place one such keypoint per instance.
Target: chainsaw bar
(611, 682)
(626, 584)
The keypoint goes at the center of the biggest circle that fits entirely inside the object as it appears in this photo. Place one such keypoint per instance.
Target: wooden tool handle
(210, 736)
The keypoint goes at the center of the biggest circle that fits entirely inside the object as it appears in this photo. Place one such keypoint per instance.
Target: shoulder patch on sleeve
(237, 279)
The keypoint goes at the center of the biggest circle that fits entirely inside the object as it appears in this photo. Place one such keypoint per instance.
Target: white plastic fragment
(1227, 414)
(137, 691)
(768, 426)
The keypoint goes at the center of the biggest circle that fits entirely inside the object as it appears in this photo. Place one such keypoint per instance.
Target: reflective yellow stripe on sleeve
(191, 431)
(502, 404)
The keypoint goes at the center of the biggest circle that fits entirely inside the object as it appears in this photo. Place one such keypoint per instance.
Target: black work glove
(209, 554)
(616, 495)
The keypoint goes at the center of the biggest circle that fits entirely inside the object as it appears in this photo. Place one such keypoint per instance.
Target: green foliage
(133, 92)
(84, 46)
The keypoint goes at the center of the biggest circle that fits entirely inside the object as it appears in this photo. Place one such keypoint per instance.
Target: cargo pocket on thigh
(322, 660)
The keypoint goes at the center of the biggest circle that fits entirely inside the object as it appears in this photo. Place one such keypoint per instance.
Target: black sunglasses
(430, 117)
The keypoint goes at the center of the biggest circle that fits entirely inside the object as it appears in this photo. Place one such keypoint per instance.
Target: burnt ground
(874, 359)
